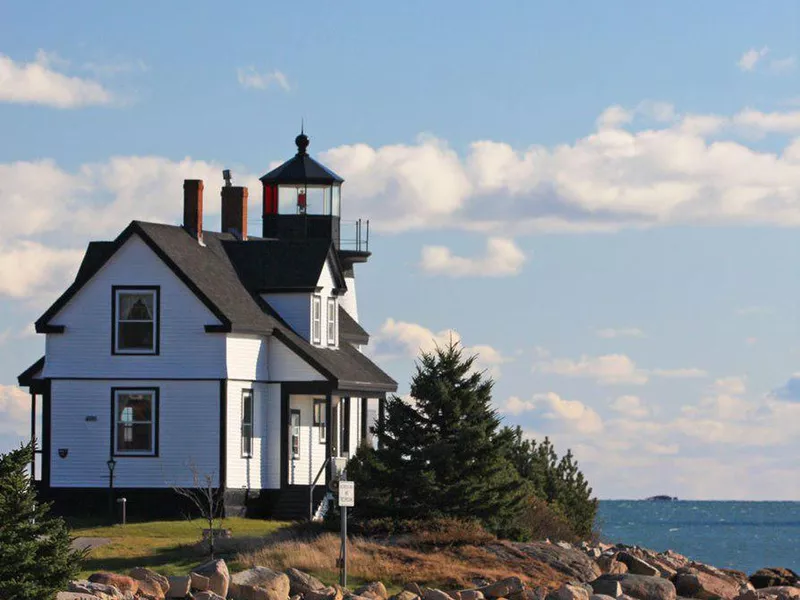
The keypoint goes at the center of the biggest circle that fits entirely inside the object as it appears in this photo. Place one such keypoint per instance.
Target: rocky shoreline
(589, 572)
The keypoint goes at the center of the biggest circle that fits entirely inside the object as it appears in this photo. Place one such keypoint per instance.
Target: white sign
(347, 493)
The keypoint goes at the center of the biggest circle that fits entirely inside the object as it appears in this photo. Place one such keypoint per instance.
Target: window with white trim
(135, 422)
(331, 321)
(295, 431)
(316, 319)
(135, 321)
(247, 423)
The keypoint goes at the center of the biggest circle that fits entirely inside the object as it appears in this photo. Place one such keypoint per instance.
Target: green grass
(169, 547)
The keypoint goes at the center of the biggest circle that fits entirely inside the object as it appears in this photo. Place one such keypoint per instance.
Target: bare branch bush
(205, 497)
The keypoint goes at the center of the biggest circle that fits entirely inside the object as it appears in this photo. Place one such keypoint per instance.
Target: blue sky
(601, 199)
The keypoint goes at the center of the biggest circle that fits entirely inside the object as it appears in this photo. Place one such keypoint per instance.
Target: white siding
(312, 451)
(188, 434)
(349, 301)
(285, 365)
(246, 357)
(271, 442)
(243, 472)
(295, 309)
(326, 283)
(262, 470)
(84, 349)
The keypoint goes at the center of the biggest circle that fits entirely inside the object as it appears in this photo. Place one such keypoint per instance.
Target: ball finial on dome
(302, 142)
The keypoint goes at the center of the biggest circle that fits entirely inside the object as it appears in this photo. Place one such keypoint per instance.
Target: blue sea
(736, 535)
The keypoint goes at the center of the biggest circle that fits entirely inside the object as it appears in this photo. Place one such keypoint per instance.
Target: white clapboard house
(179, 351)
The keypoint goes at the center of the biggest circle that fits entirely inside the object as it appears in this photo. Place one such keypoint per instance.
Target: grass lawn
(169, 547)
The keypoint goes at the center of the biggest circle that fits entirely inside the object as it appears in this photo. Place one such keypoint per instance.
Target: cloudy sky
(601, 200)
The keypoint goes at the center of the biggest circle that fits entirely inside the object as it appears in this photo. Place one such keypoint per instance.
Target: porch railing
(313, 486)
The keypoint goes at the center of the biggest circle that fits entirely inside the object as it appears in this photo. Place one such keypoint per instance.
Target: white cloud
(613, 117)
(249, 77)
(611, 369)
(608, 180)
(730, 385)
(630, 406)
(503, 258)
(611, 333)
(15, 410)
(400, 338)
(29, 268)
(38, 83)
(748, 60)
(783, 65)
(608, 369)
(51, 213)
(561, 414)
(689, 373)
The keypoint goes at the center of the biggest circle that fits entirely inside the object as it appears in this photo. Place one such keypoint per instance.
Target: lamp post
(111, 463)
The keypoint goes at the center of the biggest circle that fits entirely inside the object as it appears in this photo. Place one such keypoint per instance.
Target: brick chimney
(193, 207)
(234, 211)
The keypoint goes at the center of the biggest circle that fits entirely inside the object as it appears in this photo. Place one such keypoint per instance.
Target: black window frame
(321, 418)
(115, 291)
(247, 437)
(292, 413)
(344, 427)
(114, 451)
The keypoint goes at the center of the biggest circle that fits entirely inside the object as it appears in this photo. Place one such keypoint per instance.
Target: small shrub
(541, 520)
(36, 560)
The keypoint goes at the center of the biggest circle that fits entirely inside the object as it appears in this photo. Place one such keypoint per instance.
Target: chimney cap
(226, 175)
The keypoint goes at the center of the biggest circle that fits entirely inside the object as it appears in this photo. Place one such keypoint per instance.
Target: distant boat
(662, 498)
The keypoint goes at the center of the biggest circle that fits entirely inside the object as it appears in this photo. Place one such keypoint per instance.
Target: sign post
(347, 494)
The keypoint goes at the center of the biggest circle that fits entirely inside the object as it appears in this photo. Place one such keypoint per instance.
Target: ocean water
(737, 535)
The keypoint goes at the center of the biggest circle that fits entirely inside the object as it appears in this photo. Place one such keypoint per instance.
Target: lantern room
(302, 198)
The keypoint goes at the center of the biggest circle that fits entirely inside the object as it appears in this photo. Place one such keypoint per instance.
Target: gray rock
(208, 595)
(218, 576)
(637, 566)
(74, 596)
(503, 588)
(773, 577)
(569, 592)
(781, 592)
(570, 562)
(600, 597)
(607, 587)
(260, 583)
(706, 583)
(179, 586)
(641, 586)
(434, 594)
(99, 590)
(375, 589)
(200, 583)
(477, 595)
(300, 582)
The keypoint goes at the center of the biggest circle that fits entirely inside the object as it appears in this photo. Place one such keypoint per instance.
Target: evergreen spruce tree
(559, 482)
(36, 560)
(442, 454)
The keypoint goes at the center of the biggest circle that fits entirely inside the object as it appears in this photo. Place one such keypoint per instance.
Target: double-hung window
(316, 319)
(247, 423)
(135, 430)
(295, 433)
(331, 321)
(320, 419)
(136, 320)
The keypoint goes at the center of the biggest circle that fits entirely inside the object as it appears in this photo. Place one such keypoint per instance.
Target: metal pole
(111, 495)
(343, 571)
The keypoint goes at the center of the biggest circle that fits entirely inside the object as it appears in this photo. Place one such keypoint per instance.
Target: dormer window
(316, 319)
(331, 321)
(135, 320)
